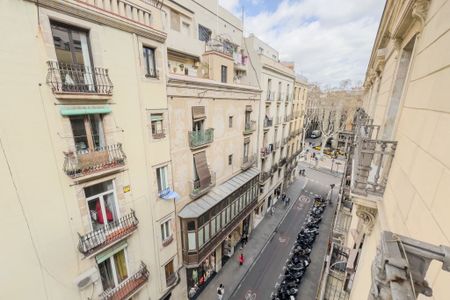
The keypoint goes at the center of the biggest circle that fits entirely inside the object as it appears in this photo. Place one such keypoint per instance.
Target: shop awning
(84, 110)
(197, 208)
(168, 194)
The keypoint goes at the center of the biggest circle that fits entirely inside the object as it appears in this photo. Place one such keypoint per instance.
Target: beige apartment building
(277, 117)
(213, 137)
(392, 232)
(87, 210)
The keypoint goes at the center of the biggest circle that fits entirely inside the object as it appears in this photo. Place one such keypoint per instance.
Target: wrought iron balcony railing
(109, 234)
(129, 286)
(78, 79)
(274, 168)
(201, 188)
(248, 161)
(201, 138)
(264, 176)
(265, 151)
(84, 162)
(249, 127)
(282, 161)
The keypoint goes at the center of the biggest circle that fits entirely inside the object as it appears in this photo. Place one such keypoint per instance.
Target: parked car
(315, 134)
(327, 151)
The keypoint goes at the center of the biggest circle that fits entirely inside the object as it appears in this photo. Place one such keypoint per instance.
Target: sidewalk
(232, 274)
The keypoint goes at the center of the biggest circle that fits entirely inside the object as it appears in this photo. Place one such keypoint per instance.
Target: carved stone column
(368, 216)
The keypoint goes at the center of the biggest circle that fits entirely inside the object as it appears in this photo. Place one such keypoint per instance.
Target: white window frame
(113, 266)
(166, 230)
(163, 180)
(102, 202)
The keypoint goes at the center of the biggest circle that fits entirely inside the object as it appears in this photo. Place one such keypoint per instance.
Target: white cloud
(329, 40)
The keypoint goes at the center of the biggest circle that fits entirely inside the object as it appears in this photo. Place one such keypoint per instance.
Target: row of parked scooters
(299, 260)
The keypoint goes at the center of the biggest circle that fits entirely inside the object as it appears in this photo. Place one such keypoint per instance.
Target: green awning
(156, 117)
(110, 251)
(84, 110)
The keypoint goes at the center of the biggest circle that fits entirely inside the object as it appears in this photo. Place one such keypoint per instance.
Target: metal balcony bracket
(400, 267)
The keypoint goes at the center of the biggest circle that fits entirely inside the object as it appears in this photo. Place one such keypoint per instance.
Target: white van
(315, 134)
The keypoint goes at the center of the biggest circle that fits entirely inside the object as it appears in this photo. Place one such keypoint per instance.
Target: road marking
(250, 295)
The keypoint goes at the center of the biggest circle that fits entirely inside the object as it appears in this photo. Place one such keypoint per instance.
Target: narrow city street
(260, 281)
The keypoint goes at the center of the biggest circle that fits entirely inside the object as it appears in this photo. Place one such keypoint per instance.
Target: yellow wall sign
(126, 189)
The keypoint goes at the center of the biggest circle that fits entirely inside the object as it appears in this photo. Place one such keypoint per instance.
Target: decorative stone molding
(368, 216)
(420, 10)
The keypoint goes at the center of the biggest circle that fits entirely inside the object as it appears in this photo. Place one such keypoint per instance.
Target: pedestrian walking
(220, 292)
(241, 259)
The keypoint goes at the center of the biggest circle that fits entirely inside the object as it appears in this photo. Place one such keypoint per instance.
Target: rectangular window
(170, 274)
(149, 60)
(204, 33)
(157, 126)
(113, 270)
(224, 217)
(101, 204)
(230, 159)
(213, 227)
(161, 177)
(88, 133)
(186, 28)
(200, 238)
(174, 20)
(165, 230)
(206, 232)
(230, 121)
(223, 74)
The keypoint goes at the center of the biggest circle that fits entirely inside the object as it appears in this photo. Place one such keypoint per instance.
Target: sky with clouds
(329, 40)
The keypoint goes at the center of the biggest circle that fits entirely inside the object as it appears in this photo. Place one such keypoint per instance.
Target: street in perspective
(225, 149)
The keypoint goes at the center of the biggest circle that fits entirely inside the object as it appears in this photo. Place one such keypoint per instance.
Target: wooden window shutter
(198, 113)
(174, 20)
(201, 166)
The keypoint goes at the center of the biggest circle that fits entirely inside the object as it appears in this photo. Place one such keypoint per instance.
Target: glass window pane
(79, 132)
(206, 232)
(213, 227)
(191, 241)
(106, 274)
(200, 238)
(224, 218)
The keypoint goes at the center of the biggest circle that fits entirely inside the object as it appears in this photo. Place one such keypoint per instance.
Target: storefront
(199, 277)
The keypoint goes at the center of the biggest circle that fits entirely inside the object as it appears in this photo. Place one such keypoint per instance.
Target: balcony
(282, 161)
(248, 162)
(201, 138)
(86, 162)
(249, 127)
(264, 176)
(267, 123)
(276, 145)
(129, 287)
(199, 189)
(73, 81)
(265, 151)
(274, 168)
(97, 240)
(270, 96)
(372, 163)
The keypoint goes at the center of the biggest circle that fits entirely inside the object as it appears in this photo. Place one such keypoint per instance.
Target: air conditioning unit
(87, 278)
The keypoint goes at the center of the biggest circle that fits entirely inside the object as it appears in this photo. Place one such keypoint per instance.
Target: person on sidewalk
(241, 259)
(220, 292)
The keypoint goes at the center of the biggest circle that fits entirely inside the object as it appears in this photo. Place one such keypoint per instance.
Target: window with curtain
(149, 60)
(101, 204)
(113, 270)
